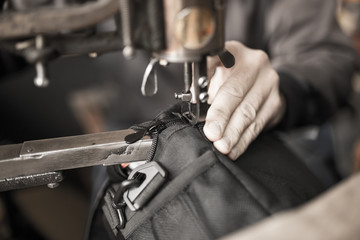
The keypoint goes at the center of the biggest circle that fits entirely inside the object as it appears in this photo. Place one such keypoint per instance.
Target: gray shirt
(314, 58)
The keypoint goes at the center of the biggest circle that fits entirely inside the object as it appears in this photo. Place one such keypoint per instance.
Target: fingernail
(232, 156)
(223, 145)
(212, 131)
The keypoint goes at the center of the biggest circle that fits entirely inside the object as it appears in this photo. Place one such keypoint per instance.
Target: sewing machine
(182, 31)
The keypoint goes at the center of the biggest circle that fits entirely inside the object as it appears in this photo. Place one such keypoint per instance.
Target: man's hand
(244, 100)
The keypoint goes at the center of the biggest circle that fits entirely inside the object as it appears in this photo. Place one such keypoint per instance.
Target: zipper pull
(141, 132)
(136, 136)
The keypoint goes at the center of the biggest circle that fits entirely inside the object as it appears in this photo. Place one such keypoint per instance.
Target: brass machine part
(193, 29)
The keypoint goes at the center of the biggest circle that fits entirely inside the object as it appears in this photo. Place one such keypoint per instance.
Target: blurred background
(90, 94)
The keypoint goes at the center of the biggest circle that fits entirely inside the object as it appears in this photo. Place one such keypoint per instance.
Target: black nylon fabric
(216, 195)
(208, 196)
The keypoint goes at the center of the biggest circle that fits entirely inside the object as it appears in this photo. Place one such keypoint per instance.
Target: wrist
(294, 101)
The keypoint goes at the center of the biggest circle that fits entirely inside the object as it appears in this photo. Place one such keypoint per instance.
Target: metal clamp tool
(38, 162)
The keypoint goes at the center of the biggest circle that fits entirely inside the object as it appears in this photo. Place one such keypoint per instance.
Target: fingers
(265, 115)
(244, 100)
(234, 47)
(243, 116)
(228, 98)
(228, 88)
(217, 72)
(214, 62)
(247, 110)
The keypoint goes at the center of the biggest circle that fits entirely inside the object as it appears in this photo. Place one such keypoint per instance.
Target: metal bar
(56, 154)
(52, 20)
(187, 76)
(126, 27)
(51, 178)
(66, 45)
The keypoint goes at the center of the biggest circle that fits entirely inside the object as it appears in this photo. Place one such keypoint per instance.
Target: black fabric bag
(205, 195)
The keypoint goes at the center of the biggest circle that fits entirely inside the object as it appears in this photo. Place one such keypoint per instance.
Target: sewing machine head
(182, 31)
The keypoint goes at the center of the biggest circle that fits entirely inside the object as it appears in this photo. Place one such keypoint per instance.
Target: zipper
(155, 135)
(153, 129)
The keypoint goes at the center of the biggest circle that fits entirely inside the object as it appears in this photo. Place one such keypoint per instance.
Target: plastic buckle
(155, 177)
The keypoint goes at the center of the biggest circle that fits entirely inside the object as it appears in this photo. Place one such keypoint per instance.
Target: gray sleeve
(315, 60)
